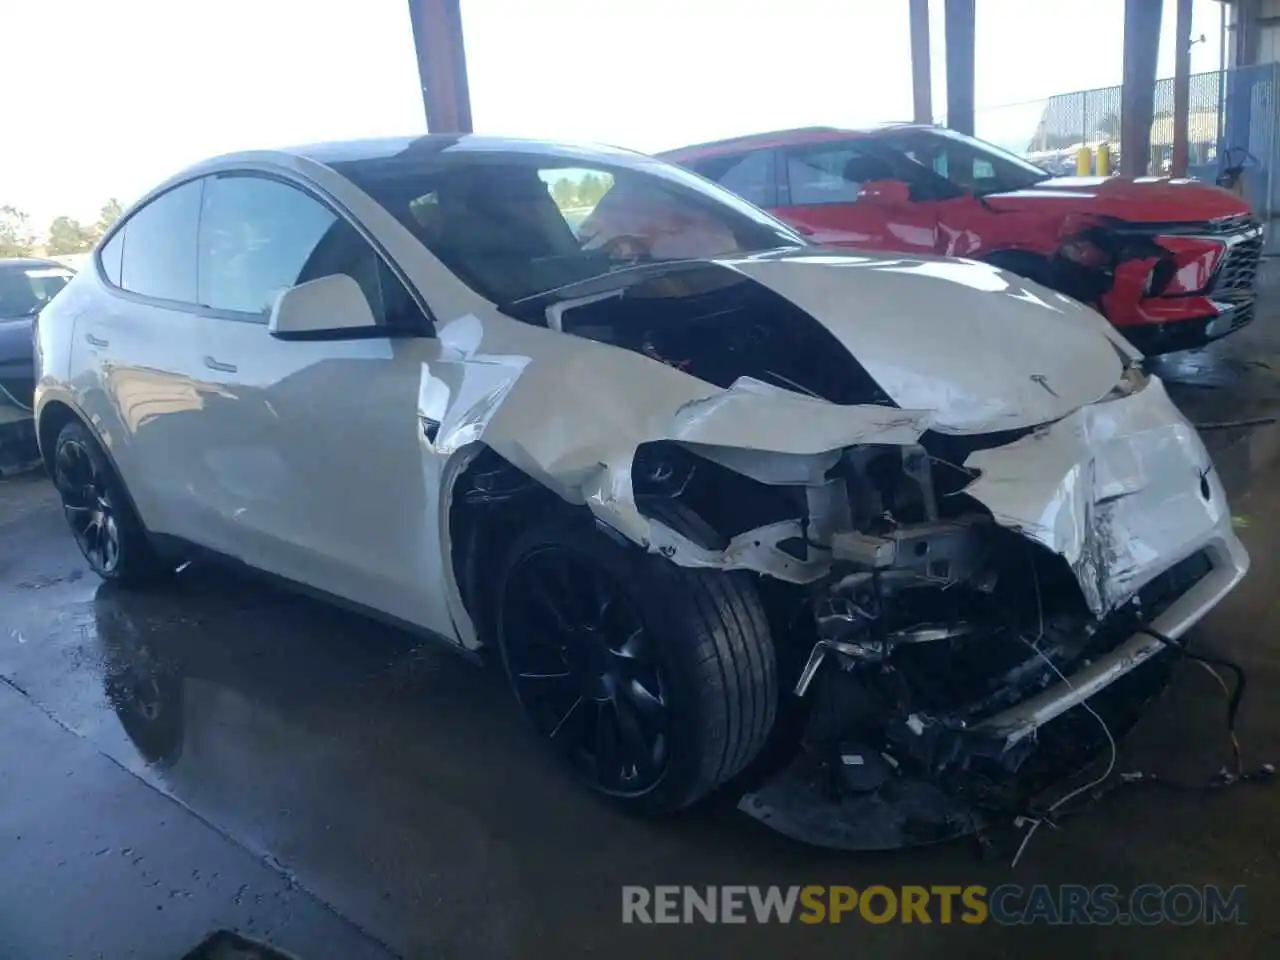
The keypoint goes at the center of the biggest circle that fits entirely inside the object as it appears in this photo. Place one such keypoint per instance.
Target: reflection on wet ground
(395, 784)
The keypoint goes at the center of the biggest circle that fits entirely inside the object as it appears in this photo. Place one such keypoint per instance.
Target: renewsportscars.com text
(1008, 904)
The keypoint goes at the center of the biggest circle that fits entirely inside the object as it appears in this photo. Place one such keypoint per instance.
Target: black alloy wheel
(654, 683)
(585, 667)
(99, 511)
(88, 504)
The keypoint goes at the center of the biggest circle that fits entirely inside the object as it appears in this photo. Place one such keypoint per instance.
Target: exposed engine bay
(719, 327)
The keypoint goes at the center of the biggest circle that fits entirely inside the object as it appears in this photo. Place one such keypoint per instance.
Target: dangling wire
(1111, 764)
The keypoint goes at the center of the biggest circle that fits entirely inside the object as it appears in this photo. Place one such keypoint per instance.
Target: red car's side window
(751, 176)
(831, 173)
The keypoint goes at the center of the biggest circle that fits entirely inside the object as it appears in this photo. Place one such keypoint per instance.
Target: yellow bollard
(1084, 162)
(1104, 159)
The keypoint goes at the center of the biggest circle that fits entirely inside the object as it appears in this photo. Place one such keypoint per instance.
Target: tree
(562, 193)
(592, 188)
(16, 239)
(109, 214)
(70, 236)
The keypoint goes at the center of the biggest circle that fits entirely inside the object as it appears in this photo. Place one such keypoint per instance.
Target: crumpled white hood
(980, 348)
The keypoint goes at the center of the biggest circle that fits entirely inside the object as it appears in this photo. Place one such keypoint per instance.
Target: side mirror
(885, 191)
(327, 308)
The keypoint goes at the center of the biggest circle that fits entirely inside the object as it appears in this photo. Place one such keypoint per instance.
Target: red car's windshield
(970, 164)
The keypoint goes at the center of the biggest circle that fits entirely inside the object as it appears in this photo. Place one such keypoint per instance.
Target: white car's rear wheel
(100, 515)
(654, 683)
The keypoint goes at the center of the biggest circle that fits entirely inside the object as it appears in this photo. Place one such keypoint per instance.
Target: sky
(108, 97)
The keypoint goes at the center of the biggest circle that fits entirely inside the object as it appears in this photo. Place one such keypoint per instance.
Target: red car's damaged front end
(1172, 263)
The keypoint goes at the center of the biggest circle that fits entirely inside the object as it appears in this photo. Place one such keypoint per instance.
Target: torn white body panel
(752, 415)
(610, 402)
(1122, 490)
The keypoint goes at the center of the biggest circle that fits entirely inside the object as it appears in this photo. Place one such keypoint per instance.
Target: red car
(1172, 263)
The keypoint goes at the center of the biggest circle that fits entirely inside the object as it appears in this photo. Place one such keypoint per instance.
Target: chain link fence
(1233, 121)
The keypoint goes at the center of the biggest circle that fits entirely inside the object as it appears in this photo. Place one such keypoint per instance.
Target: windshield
(26, 288)
(971, 165)
(512, 226)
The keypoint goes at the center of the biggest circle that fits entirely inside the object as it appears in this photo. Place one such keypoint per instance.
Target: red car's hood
(1146, 199)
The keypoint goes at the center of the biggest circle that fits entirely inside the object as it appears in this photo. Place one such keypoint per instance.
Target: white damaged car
(853, 537)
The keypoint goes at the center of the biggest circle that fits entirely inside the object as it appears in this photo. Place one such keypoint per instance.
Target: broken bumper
(1016, 724)
(1124, 492)
(1170, 336)
(1134, 495)
(854, 793)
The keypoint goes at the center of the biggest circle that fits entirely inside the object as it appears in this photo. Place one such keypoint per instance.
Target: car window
(259, 237)
(644, 219)
(111, 255)
(513, 226)
(576, 191)
(25, 289)
(529, 228)
(159, 256)
(750, 177)
(967, 163)
(831, 173)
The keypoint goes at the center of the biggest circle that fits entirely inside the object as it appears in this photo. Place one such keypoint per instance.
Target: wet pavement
(221, 754)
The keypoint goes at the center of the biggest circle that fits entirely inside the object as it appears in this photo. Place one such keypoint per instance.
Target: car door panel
(864, 225)
(140, 390)
(134, 360)
(313, 465)
(312, 461)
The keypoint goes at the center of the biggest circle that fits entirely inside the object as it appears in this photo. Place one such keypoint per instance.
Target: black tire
(100, 512)
(707, 657)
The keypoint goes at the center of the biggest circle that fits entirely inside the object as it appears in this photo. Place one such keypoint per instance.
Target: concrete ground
(225, 755)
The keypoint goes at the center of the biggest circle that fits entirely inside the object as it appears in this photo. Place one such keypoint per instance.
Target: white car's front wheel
(654, 683)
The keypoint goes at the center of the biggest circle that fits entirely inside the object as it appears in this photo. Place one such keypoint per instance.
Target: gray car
(26, 286)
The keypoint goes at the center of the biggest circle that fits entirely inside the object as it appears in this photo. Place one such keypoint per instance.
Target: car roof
(445, 147)
(23, 263)
(780, 138)
(364, 160)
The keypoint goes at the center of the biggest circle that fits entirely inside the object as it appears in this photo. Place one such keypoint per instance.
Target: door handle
(218, 365)
(93, 341)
